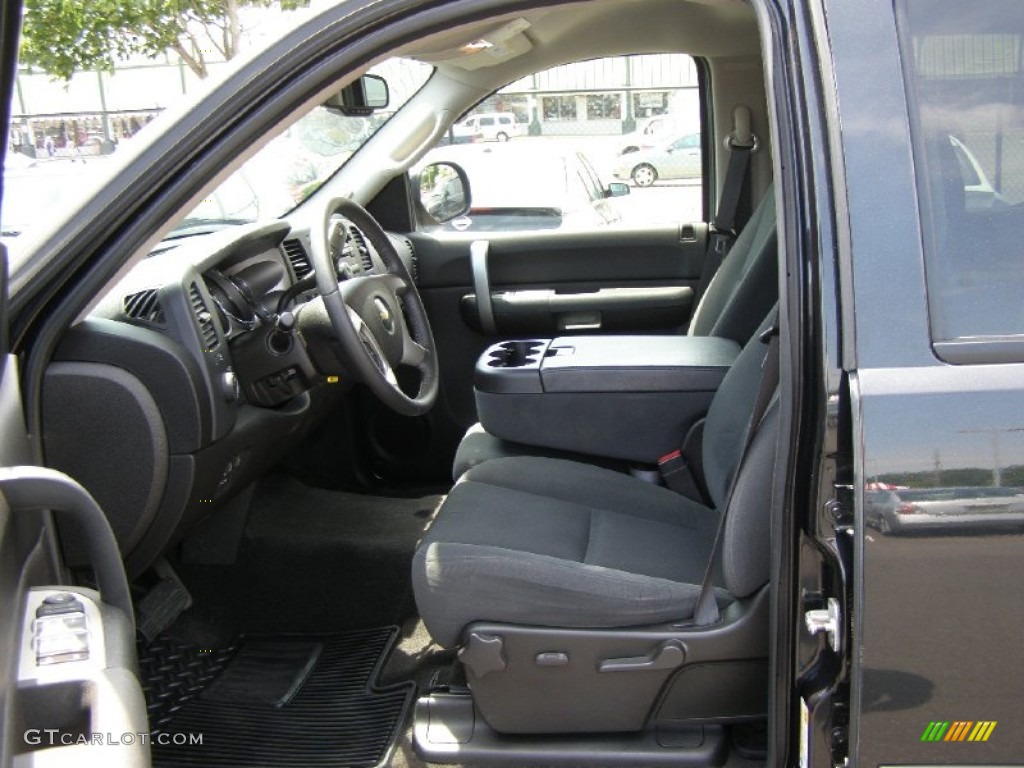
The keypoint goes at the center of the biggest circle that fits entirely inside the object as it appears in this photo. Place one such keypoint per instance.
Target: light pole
(534, 129)
(108, 141)
(629, 123)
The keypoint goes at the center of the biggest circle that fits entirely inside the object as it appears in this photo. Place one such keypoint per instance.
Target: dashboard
(191, 377)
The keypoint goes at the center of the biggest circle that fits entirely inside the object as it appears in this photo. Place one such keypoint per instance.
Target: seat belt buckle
(676, 475)
(671, 461)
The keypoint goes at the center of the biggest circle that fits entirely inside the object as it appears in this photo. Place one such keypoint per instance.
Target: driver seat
(570, 588)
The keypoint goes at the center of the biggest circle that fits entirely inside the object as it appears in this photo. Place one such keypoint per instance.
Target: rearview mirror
(363, 97)
(616, 189)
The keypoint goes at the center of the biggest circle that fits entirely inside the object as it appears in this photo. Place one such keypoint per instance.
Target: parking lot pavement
(34, 190)
(663, 203)
(908, 567)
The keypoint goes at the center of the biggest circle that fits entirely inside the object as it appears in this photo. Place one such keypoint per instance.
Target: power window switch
(60, 630)
(59, 603)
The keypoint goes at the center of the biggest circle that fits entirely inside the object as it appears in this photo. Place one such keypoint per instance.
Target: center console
(625, 397)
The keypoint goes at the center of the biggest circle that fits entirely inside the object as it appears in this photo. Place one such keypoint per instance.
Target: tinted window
(966, 93)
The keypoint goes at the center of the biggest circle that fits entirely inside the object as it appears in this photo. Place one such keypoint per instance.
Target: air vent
(203, 317)
(298, 258)
(145, 307)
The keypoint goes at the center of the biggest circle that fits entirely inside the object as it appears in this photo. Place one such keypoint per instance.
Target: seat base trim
(447, 729)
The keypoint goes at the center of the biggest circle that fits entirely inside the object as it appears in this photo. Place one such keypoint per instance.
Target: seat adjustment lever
(668, 655)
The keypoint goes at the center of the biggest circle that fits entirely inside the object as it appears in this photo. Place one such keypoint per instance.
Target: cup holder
(515, 354)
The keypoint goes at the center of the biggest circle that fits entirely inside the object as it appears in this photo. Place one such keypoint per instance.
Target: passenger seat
(739, 296)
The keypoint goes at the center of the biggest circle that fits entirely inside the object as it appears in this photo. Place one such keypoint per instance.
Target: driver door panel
(56, 696)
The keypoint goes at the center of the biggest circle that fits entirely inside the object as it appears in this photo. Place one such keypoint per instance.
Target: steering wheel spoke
(413, 353)
(372, 348)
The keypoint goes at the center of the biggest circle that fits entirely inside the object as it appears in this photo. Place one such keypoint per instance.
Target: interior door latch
(826, 620)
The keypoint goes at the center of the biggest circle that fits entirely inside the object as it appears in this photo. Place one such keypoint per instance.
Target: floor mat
(280, 701)
(313, 561)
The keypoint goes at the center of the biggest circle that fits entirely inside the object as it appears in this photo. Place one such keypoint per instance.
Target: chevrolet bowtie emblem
(384, 314)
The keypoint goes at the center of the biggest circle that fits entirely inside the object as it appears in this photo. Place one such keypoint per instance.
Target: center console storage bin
(624, 397)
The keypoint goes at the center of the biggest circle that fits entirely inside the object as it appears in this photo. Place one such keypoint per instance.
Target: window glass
(604, 106)
(42, 167)
(589, 123)
(559, 108)
(966, 87)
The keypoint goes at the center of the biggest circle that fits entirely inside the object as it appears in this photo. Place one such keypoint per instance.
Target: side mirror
(363, 97)
(443, 190)
(616, 189)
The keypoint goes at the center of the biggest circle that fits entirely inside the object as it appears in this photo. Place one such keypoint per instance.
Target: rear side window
(963, 69)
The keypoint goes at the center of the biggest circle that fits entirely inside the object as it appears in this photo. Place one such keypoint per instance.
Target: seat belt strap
(735, 178)
(706, 611)
(742, 144)
(723, 229)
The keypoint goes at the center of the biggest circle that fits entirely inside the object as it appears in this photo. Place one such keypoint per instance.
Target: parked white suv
(487, 126)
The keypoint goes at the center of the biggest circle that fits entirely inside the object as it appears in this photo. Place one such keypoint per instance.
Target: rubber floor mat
(274, 702)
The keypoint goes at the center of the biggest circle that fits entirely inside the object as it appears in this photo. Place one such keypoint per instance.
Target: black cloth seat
(550, 542)
(478, 445)
(746, 286)
(741, 293)
(555, 543)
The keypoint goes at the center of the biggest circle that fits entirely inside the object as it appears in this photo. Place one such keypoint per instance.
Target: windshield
(47, 169)
(292, 166)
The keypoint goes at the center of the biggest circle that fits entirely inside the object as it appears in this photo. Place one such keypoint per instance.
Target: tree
(62, 37)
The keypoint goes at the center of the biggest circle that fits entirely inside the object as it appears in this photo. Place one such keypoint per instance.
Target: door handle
(478, 250)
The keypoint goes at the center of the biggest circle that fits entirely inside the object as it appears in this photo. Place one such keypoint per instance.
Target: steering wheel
(379, 320)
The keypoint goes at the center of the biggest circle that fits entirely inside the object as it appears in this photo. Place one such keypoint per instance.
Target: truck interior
(272, 417)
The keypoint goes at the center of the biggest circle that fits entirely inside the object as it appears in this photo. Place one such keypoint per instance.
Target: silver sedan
(677, 159)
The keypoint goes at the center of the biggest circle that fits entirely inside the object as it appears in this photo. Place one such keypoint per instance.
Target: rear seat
(737, 299)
